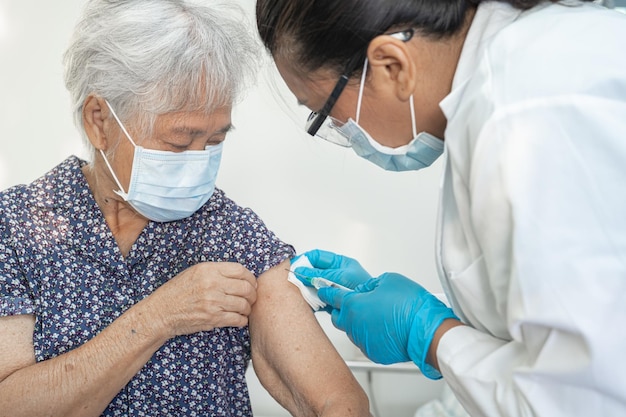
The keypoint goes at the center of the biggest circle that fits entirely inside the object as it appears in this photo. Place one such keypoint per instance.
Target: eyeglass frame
(321, 116)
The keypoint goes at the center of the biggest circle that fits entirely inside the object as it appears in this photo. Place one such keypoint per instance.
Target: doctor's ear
(95, 115)
(391, 63)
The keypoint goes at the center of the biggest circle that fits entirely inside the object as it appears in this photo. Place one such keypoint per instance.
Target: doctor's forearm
(85, 380)
(446, 325)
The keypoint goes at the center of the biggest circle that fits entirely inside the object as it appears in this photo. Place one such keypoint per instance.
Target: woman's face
(386, 118)
(185, 130)
(173, 132)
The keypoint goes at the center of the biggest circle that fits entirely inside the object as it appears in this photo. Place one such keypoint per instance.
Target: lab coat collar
(490, 18)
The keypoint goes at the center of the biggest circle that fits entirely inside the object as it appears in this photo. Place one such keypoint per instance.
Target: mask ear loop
(121, 191)
(120, 124)
(413, 116)
(360, 100)
(361, 88)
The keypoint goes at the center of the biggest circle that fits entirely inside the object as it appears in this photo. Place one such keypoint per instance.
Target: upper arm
(293, 357)
(16, 344)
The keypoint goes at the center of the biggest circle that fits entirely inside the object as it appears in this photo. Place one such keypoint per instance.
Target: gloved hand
(337, 268)
(391, 319)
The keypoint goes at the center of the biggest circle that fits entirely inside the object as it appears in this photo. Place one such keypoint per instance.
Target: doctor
(530, 98)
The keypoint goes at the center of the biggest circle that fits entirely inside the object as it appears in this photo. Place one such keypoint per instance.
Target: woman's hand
(205, 296)
(84, 380)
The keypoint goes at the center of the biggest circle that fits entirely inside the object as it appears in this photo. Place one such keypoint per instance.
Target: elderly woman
(127, 283)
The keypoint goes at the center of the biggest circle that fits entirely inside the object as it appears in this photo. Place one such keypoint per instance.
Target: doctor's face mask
(167, 186)
(420, 153)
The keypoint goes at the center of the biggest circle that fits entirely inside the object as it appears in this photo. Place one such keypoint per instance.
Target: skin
(284, 332)
(423, 67)
(294, 359)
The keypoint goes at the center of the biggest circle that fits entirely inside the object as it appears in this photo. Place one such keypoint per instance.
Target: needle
(304, 277)
(319, 282)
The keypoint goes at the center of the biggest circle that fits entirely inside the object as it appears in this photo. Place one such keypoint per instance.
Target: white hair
(151, 57)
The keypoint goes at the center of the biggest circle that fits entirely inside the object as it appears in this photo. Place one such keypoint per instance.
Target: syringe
(319, 282)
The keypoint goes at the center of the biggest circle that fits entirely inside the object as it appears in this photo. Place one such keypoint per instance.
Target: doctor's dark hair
(334, 35)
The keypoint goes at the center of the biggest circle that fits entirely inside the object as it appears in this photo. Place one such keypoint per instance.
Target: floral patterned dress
(60, 262)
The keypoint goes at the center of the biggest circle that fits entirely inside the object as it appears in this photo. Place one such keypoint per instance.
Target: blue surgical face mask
(167, 186)
(420, 153)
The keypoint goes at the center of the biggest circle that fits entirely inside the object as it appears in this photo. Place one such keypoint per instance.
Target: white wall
(312, 194)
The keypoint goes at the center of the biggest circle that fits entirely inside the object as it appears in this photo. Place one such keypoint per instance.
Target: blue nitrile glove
(391, 319)
(337, 268)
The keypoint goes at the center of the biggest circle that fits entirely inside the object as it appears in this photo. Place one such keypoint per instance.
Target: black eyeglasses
(317, 119)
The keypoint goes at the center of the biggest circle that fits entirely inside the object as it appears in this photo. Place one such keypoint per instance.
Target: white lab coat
(532, 228)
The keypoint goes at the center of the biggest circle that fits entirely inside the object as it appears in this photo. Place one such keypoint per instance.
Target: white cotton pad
(308, 293)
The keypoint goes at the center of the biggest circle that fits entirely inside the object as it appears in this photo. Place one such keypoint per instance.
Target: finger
(328, 309)
(233, 304)
(335, 316)
(308, 272)
(368, 285)
(304, 274)
(324, 259)
(343, 277)
(306, 280)
(240, 288)
(237, 271)
(339, 276)
(295, 258)
(332, 296)
(230, 319)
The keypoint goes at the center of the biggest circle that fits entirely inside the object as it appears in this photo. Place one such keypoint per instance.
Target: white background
(312, 194)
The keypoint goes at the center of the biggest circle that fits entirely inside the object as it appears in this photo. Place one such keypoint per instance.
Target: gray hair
(151, 57)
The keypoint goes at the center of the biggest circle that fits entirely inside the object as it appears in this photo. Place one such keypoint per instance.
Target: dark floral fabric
(60, 262)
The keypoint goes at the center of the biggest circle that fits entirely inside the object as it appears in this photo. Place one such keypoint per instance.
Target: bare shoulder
(276, 276)
(283, 328)
(279, 301)
(16, 344)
